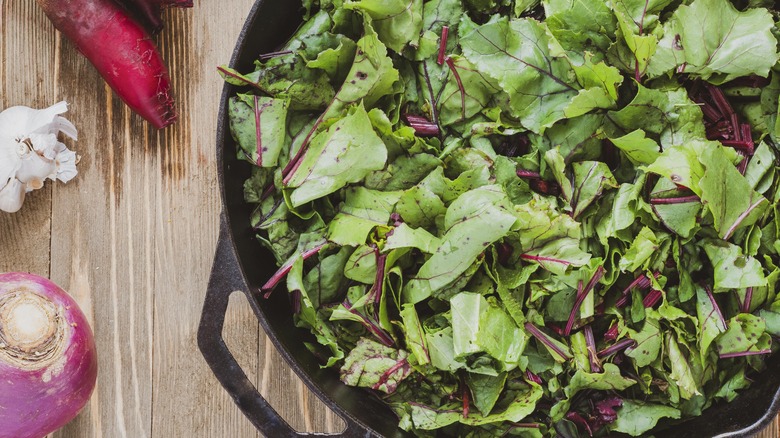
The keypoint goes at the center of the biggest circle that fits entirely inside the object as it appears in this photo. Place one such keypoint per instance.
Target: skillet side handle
(226, 278)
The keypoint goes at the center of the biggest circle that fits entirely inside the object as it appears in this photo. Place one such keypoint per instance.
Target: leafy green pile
(509, 218)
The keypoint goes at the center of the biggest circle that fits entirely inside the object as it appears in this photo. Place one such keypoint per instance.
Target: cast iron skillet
(241, 264)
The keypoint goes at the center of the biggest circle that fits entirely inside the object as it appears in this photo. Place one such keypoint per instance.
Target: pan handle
(226, 278)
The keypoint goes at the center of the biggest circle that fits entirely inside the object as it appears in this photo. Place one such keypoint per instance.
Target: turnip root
(48, 363)
(121, 50)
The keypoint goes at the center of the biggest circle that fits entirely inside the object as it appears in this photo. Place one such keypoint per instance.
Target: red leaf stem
(445, 32)
(451, 65)
(616, 347)
(545, 339)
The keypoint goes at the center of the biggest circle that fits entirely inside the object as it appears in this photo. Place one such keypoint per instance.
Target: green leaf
(599, 82)
(627, 206)
(521, 406)
(516, 55)
(760, 170)
(398, 22)
(404, 236)
(710, 38)
(547, 237)
(373, 365)
(580, 25)
(415, 336)
(641, 12)
(727, 194)
(419, 207)
(635, 417)
(474, 221)
(281, 239)
(245, 113)
(732, 269)
(609, 380)
(424, 417)
(648, 343)
(558, 350)
(711, 322)
(287, 78)
(363, 210)
(770, 107)
(644, 246)
(324, 281)
(309, 317)
(743, 334)
(638, 148)
(458, 104)
(467, 309)
(336, 62)
(679, 218)
(670, 116)
(681, 373)
(579, 351)
(732, 386)
(576, 139)
(403, 173)
(591, 179)
(557, 165)
(485, 390)
(371, 77)
(500, 337)
(427, 418)
(522, 6)
(441, 350)
(361, 265)
(635, 45)
(681, 164)
(449, 190)
(344, 153)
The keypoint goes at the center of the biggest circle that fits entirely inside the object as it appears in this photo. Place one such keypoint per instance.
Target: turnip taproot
(121, 50)
(48, 363)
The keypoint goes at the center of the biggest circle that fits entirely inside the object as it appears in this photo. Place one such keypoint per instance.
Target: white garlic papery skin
(30, 152)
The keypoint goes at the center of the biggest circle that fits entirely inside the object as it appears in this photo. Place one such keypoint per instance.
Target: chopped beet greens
(523, 218)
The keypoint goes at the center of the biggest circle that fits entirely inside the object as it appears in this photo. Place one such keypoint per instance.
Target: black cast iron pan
(241, 264)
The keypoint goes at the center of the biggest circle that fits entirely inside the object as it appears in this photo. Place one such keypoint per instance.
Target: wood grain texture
(773, 431)
(132, 237)
(27, 69)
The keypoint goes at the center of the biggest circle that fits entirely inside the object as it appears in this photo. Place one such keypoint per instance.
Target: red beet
(121, 50)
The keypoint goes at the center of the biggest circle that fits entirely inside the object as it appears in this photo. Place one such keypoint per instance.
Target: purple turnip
(48, 362)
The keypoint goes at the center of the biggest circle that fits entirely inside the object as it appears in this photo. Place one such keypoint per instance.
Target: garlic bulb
(30, 152)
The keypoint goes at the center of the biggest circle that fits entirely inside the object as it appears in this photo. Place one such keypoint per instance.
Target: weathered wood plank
(101, 249)
(290, 397)
(133, 236)
(772, 431)
(188, 400)
(27, 54)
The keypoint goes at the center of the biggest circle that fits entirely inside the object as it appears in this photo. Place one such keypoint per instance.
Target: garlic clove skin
(12, 196)
(20, 121)
(34, 170)
(45, 144)
(64, 126)
(9, 161)
(65, 162)
(30, 152)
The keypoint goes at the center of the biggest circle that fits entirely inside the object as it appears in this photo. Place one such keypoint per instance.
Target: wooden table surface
(133, 236)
